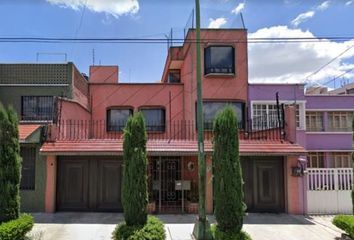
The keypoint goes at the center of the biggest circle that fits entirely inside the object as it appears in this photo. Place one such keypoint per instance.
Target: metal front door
(165, 172)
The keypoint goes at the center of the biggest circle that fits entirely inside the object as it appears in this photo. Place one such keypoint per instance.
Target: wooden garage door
(264, 184)
(89, 184)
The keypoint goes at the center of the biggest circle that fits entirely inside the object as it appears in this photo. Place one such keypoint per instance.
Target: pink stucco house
(83, 151)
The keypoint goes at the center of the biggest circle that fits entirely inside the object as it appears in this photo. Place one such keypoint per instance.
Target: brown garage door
(264, 184)
(89, 184)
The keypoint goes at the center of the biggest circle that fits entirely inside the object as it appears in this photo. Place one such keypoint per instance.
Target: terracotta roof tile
(160, 147)
(25, 130)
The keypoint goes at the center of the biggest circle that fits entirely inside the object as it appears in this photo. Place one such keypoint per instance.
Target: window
(341, 160)
(28, 155)
(37, 108)
(210, 110)
(219, 60)
(339, 121)
(117, 118)
(154, 119)
(315, 160)
(174, 76)
(314, 121)
(266, 115)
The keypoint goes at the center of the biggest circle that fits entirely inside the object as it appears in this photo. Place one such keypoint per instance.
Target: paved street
(99, 226)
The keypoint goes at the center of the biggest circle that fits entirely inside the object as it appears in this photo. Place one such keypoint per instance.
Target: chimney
(103, 74)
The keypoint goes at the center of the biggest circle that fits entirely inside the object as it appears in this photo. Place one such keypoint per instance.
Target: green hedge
(16, 229)
(152, 230)
(346, 223)
(220, 235)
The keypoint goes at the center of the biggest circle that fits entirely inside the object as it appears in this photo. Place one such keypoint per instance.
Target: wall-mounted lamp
(299, 170)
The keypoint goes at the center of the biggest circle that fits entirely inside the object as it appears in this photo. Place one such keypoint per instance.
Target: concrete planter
(191, 207)
(151, 207)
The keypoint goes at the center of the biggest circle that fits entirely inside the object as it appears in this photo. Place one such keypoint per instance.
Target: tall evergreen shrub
(134, 190)
(229, 206)
(10, 165)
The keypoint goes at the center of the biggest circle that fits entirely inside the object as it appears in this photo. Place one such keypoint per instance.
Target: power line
(163, 40)
(332, 60)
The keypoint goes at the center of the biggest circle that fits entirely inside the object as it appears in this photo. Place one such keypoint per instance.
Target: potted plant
(192, 202)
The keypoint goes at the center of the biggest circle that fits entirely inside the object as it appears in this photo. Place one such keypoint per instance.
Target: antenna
(243, 22)
(93, 56)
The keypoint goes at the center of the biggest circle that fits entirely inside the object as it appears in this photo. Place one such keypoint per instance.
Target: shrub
(10, 165)
(346, 223)
(16, 229)
(152, 230)
(220, 235)
(229, 206)
(134, 186)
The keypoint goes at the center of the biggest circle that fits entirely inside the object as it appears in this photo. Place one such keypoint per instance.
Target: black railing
(256, 129)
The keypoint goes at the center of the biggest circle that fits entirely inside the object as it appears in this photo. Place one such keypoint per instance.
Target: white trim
(329, 132)
(329, 151)
(330, 110)
(37, 85)
(302, 109)
(329, 95)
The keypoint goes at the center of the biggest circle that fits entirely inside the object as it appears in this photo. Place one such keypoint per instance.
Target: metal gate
(328, 190)
(165, 175)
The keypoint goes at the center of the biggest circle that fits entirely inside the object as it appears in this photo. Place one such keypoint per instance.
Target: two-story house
(33, 91)
(84, 150)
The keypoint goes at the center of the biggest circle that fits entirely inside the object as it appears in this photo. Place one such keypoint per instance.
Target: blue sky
(155, 18)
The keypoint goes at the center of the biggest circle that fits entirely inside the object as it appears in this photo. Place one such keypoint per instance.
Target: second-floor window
(117, 118)
(219, 60)
(174, 76)
(154, 119)
(210, 110)
(314, 121)
(37, 108)
(339, 121)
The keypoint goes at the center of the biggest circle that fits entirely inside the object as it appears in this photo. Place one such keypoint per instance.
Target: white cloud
(115, 8)
(217, 22)
(303, 17)
(238, 8)
(323, 6)
(348, 3)
(293, 62)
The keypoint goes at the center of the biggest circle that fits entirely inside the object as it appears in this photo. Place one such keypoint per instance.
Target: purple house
(324, 128)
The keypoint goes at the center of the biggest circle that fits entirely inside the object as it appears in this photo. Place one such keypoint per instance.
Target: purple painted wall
(330, 102)
(268, 91)
(324, 141)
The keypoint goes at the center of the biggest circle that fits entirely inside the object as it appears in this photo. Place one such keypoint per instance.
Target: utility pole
(201, 229)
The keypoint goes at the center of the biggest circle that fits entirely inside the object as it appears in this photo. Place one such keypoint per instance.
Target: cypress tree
(229, 206)
(134, 189)
(10, 165)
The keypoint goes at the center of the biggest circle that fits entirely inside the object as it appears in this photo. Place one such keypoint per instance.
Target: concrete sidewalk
(99, 226)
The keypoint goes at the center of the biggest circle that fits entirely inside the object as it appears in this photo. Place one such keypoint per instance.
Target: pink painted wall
(80, 88)
(72, 110)
(215, 87)
(104, 74)
(294, 189)
(137, 95)
(50, 188)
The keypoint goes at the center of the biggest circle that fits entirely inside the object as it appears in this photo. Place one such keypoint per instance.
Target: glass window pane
(211, 109)
(219, 59)
(117, 118)
(37, 108)
(154, 119)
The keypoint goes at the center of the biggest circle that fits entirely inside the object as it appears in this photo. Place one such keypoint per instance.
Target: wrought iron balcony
(76, 130)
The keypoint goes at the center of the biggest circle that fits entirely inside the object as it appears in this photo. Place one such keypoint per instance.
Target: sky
(276, 62)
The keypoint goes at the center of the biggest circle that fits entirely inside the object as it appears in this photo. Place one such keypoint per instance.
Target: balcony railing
(176, 130)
